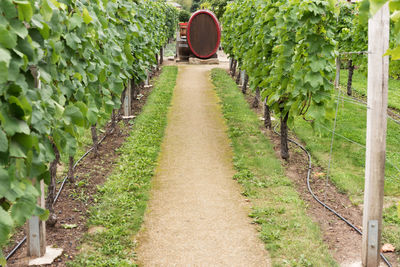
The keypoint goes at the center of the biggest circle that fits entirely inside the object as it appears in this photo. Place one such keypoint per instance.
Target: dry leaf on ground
(388, 248)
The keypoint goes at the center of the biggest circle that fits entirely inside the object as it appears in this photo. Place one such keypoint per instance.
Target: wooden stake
(337, 80)
(36, 232)
(147, 81)
(378, 69)
(242, 75)
(161, 55)
(127, 100)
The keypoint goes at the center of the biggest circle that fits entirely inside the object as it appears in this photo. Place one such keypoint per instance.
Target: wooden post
(242, 75)
(147, 81)
(378, 68)
(127, 100)
(157, 62)
(161, 55)
(36, 232)
(337, 80)
(234, 68)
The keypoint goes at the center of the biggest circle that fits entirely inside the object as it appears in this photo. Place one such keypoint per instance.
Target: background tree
(216, 6)
(184, 16)
(195, 5)
(186, 4)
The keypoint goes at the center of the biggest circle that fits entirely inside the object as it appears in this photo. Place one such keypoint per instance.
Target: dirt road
(196, 214)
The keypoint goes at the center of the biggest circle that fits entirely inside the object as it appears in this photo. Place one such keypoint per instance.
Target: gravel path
(196, 214)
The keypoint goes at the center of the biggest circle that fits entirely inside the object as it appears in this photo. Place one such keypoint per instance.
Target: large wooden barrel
(203, 34)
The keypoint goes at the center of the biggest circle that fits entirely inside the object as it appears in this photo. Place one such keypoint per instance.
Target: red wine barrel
(203, 34)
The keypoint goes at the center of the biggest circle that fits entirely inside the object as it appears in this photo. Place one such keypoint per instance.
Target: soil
(343, 241)
(73, 206)
(196, 214)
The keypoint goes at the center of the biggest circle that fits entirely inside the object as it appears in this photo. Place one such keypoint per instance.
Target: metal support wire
(342, 136)
(394, 166)
(332, 141)
(354, 53)
(349, 100)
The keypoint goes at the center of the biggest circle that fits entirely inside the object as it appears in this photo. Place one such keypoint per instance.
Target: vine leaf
(25, 10)
(5, 58)
(8, 9)
(6, 223)
(86, 16)
(46, 10)
(7, 38)
(4, 183)
(75, 21)
(19, 28)
(73, 115)
(3, 141)
(21, 211)
(12, 125)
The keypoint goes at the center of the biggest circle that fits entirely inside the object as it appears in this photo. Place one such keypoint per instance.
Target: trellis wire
(331, 149)
(354, 53)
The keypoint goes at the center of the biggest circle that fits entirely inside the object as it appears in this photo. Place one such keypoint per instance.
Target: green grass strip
(288, 233)
(360, 84)
(123, 198)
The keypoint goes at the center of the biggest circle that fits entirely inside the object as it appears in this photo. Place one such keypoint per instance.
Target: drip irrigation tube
(318, 200)
(58, 193)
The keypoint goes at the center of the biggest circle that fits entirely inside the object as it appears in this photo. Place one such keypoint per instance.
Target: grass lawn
(360, 86)
(170, 49)
(123, 198)
(290, 236)
(348, 161)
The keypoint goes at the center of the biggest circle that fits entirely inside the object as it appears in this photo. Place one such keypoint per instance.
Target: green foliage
(184, 16)
(123, 198)
(288, 49)
(186, 4)
(370, 7)
(195, 6)
(352, 33)
(82, 53)
(352, 36)
(216, 6)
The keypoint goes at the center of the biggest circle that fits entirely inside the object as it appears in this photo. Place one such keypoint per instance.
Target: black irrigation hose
(16, 248)
(58, 193)
(318, 200)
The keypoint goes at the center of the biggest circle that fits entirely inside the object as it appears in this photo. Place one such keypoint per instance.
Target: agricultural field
(228, 146)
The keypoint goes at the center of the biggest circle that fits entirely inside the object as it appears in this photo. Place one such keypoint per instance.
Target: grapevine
(288, 50)
(83, 53)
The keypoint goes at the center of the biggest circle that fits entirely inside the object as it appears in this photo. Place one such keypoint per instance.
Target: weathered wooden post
(127, 100)
(147, 81)
(378, 75)
(161, 55)
(36, 232)
(242, 76)
(337, 79)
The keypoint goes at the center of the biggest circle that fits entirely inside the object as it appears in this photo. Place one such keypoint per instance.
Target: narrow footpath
(196, 214)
